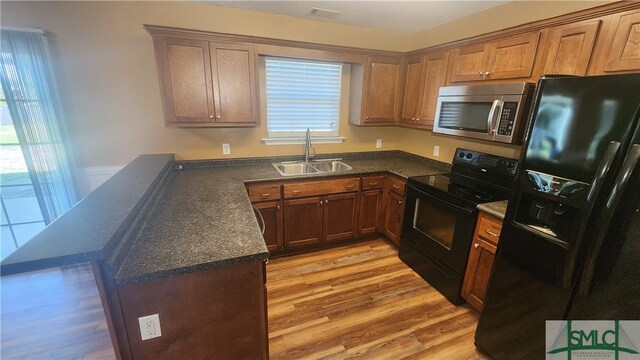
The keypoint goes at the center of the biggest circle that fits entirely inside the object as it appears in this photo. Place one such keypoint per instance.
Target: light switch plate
(226, 149)
(378, 143)
(150, 326)
(436, 150)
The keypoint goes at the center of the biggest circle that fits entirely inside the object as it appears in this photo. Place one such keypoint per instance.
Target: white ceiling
(400, 15)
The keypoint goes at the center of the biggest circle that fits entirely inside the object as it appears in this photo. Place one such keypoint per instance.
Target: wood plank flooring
(356, 301)
(361, 301)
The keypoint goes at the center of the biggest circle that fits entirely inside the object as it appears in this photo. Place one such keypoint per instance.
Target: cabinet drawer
(396, 185)
(489, 227)
(264, 192)
(313, 188)
(373, 182)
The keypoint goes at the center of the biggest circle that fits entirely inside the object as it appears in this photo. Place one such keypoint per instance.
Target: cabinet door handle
(349, 186)
(219, 116)
(210, 116)
(480, 73)
(395, 186)
(295, 192)
(491, 233)
(487, 74)
(476, 245)
(373, 183)
(265, 195)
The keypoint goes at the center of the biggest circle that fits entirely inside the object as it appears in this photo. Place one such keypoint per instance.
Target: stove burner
(473, 194)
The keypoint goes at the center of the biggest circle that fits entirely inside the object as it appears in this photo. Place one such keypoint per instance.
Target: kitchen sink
(289, 168)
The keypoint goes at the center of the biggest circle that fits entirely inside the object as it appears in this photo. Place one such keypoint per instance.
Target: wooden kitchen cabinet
(394, 209)
(340, 217)
(481, 256)
(623, 52)
(271, 212)
(413, 86)
(570, 48)
(371, 203)
(303, 221)
(381, 92)
(508, 58)
(207, 84)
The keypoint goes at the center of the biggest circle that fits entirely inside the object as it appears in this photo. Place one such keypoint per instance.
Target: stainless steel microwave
(486, 112)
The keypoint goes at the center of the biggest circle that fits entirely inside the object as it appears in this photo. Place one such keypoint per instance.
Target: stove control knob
(461, 155)
(469, 156)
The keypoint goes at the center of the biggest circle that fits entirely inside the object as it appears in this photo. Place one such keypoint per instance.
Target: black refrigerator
(570, 243)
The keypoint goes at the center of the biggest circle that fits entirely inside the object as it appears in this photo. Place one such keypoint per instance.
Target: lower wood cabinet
(394, 209)
(370, 211)
(481, 256)
(303, 221)
(340, 217)
(271, 212)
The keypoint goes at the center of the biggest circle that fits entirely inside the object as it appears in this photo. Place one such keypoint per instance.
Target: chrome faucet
(307, 146)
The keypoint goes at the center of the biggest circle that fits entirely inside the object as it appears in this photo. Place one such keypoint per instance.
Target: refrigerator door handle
(603, 169)
(605, 219)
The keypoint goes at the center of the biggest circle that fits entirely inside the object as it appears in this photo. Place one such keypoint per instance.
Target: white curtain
(28, 85)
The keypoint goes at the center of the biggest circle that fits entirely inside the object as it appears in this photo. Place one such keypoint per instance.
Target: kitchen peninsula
(180, 239)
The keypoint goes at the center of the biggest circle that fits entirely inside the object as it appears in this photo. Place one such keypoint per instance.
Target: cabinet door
(478, 272)
(272, 214)
(393, 216)
(570, 48)
(184, 69)
(302, 222)
(469, 62)
(340, 216)
(624, 54)
(382, 94)
(234, 79)
(435, 75)
(412, 90)
(370, 211)
(512, 57)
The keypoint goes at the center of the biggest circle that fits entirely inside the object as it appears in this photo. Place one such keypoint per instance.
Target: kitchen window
(302, 94)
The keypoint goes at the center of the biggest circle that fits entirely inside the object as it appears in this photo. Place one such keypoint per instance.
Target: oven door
(440, 230)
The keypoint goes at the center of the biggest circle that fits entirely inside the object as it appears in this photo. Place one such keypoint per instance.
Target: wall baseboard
(89, 178)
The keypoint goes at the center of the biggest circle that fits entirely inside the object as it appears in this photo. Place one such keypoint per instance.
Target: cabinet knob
(210, 116)
(487, 74)
(278, 207)
(476, 245)
(326, 201)
(219, 116)
(366, 118)
(400, 202)
(321, 201)
(480, 73)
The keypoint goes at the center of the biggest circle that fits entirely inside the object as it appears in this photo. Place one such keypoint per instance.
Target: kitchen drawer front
(373, 182)
(314, 188)
(489, 227)
(396, 185)
(264, 192)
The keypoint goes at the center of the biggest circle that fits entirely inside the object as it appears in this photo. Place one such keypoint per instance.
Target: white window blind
(302, 94)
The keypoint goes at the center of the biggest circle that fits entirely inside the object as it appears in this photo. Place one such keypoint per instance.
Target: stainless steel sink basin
(331, 166)
(290, 168)
(295, 168)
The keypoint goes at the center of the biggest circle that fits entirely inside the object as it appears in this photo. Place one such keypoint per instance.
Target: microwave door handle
(491, 119)
(603, 222)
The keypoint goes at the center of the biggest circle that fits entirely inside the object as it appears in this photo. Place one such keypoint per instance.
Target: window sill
(301, 140)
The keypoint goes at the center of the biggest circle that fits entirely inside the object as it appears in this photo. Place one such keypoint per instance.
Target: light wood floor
(357, 301)
(361, 301)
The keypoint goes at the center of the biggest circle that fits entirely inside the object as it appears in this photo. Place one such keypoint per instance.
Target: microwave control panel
(507, 118)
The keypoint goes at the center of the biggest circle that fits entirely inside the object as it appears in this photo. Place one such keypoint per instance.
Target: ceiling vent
(323, 13)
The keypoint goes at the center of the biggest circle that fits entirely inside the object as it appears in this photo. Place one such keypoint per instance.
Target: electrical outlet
(436, 150)
(378, 143)
(226, 149)
(149, 326)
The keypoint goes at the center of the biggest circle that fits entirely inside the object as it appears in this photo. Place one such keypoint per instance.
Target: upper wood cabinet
(424, 77)
(569, 48)
(623, 53)
(508, 58)
(207, 84)
(381, 92)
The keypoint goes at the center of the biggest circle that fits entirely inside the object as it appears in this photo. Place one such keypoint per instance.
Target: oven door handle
(445, 203)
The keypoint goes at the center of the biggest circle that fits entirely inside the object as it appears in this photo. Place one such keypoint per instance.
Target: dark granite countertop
(204, 220)
(496, 208)
(159, 218)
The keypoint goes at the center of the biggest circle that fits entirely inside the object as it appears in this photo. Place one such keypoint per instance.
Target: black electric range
(440, 216)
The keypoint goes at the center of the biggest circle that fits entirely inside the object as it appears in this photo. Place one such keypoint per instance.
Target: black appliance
(570, 243)
(440, 216)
